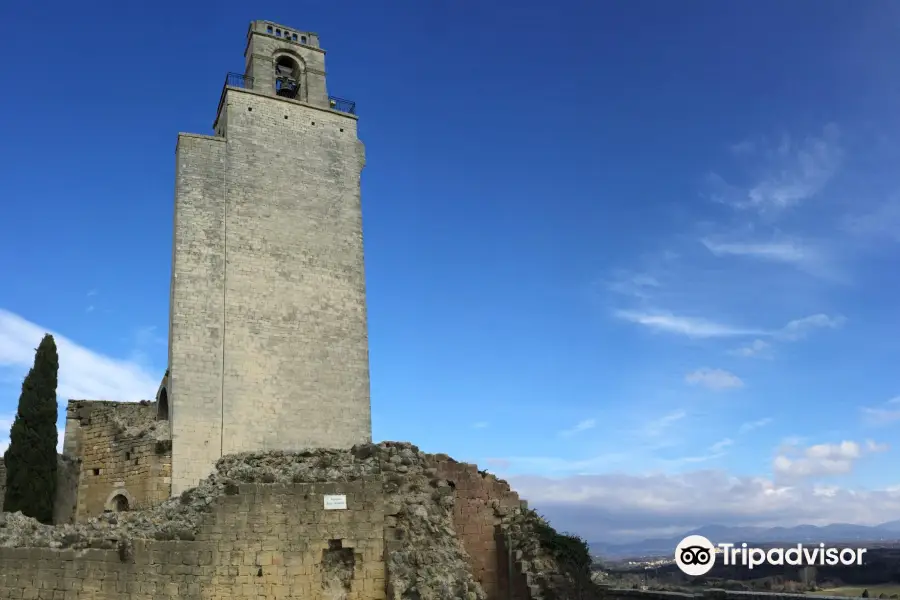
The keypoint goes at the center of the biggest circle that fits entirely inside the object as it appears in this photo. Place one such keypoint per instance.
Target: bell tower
(268, 343)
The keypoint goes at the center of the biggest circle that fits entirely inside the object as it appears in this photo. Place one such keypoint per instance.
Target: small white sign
(336, 502)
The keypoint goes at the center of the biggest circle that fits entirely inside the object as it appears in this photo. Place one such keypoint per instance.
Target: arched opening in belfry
(287, 77)
(120, 503)
(162, 406)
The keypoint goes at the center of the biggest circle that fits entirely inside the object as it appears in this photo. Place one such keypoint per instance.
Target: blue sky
(637, 257)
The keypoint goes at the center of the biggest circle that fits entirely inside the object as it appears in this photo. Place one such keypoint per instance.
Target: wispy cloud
(579, 427)
(800, 328)
(717, 450)
(884, 414)
(755, 349)
(83, 373)
(721, 445)
(702, 328)
(480, 425)
(636, 285)
(789, 172)
(714, 379)
(658, 427)
(688, 326)
(790, 252)
(752, 425)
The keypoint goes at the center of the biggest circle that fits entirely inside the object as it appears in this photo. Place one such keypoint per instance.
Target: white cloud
(714, 379)
(822, 459)
(802, 255)
(657, 427)
(619, 507)
(800, 328)
(755, 349)
(688, 326)
(83, 373)
(579, 427)
(885, 414)
(701, 328)
(721, 445)
(790, 172)
(637, 285)
(480, 425)
(790, 252)
(751, 425)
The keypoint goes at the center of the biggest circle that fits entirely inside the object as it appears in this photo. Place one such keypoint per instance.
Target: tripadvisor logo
(695, 555)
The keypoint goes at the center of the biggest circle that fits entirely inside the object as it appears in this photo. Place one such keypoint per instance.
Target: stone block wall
(123, 457)
(284, 317)
(67, 474)
(476, 524)
(261, 541)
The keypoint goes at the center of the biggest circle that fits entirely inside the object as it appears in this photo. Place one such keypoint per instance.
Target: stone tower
(268, 345)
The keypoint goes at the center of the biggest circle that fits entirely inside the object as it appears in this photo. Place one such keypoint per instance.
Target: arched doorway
(162, 406)
(119, 500)
(119, 503)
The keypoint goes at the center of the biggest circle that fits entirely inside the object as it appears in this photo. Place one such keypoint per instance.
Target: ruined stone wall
(67, 474)
(123, 457)
(475, 518)
(258, 540)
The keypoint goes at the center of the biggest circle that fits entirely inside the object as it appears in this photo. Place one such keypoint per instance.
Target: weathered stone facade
(268, 345)
(122, 457)
(265, 541)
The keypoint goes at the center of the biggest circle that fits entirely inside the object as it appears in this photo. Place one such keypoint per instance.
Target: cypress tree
(31, 456)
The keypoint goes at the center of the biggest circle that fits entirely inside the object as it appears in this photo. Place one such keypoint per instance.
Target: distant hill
(834, 533)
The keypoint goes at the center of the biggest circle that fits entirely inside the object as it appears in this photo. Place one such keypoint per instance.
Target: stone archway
(119, 500)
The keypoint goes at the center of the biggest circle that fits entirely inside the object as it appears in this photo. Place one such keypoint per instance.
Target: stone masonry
(268, 345)
(122, 457)
(437, 525)
(262, 541)
(476, 522)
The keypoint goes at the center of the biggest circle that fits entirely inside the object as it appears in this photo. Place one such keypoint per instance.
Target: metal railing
(236, 80)
(347, 106)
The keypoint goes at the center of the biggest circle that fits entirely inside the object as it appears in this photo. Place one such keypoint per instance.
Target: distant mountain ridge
(834, 533)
